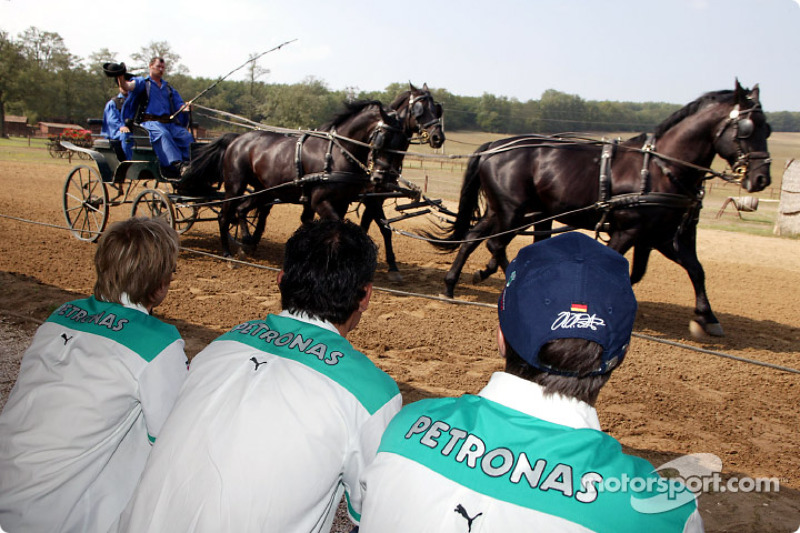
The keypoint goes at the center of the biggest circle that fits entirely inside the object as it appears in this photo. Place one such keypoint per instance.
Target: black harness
(305, 180)
(691, 202)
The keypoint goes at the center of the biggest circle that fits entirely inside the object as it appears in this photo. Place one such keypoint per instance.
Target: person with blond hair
(94, 388)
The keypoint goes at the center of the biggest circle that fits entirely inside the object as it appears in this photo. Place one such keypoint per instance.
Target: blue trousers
(170, 142)
(127, 145)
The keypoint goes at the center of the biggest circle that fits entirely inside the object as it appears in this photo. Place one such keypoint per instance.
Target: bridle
(416, 109)
(377, 141)
(743, 126)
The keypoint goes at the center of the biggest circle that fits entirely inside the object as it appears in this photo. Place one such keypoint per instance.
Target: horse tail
(468, 207)
(206, 165)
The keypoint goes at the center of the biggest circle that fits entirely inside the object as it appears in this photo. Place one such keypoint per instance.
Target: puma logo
(66, 339)
(463, 512)
(255, 362)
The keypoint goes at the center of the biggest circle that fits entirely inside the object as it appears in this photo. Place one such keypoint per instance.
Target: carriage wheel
(85, 203)
(52, 149)
(185, 217)
(236, 233)
(153, 203)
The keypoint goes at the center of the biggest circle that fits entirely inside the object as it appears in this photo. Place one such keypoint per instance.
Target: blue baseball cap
(567, 287)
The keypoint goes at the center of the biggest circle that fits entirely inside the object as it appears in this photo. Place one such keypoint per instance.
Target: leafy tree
(46, 50)
(784, 121)
(96, 59)
(305, 105)
(159, 49)
(562, 112)
(11, 60)
(255, 89)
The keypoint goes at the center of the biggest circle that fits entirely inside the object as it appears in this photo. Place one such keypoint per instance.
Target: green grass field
(440, 172)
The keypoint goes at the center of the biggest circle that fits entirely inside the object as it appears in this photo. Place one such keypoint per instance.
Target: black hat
(113, 70)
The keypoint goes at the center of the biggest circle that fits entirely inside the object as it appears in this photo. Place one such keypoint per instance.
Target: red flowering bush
(78, 137)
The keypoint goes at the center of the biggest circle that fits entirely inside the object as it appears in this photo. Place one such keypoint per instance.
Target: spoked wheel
(53, 150)
(251, 220)
(153, 203)
(85, 203)
(185, 217)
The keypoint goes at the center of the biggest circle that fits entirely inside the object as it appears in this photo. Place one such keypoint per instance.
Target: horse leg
(497, 247)
(641, 255)
(373, 210)
(473, 240)
(225, 219)
(250, 240)
(499, 258)
(263, 213)
(684, 252)
(307, 215)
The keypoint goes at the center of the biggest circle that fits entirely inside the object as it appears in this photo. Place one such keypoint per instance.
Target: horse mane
(403, 96)
(691, 108)
(350, 109)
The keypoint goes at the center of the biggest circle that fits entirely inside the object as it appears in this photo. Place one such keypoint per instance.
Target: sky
(619, 50)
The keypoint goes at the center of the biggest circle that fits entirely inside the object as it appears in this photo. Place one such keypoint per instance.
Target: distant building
(17, 126)
(52, 129)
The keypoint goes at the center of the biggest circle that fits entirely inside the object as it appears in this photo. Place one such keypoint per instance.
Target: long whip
(204, 91)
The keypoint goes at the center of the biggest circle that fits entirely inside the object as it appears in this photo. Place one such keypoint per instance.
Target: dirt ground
(664, 402)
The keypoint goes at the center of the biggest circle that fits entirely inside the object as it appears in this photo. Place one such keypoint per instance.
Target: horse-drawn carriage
(90, 192)
(356, 157)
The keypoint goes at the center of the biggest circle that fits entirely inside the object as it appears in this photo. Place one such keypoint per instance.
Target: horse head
(741, 139)
(387, 144)
(420, 115)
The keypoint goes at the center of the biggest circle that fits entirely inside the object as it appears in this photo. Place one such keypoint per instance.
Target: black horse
(325, 170)
(421, 117)
(645, 193)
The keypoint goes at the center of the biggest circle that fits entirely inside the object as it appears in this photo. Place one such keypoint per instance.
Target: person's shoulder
(135, 329)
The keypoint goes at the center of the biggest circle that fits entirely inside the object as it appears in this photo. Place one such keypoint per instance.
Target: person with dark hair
(93, 391)
(527, 453)
(279, 416)
(158, 108)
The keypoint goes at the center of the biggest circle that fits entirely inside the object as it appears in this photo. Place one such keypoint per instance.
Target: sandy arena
(664, 402)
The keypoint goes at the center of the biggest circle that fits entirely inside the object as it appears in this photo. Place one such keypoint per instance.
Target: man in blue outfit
(527, 453)
(152, 103)
(115, 130)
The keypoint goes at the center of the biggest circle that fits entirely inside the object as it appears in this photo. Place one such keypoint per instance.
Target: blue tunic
(170, 141)
(112, 122)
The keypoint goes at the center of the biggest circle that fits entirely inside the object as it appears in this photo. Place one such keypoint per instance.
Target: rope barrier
(452, 301)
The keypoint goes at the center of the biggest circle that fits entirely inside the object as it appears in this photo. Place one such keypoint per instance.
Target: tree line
(42, 80)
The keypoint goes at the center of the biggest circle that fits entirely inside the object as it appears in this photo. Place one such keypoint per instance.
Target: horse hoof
(395, 277)
(700, 332)
(477, 278)
(446, 296)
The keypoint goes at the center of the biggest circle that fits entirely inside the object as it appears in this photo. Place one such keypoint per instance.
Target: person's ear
(279, 276)
(363, 304)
